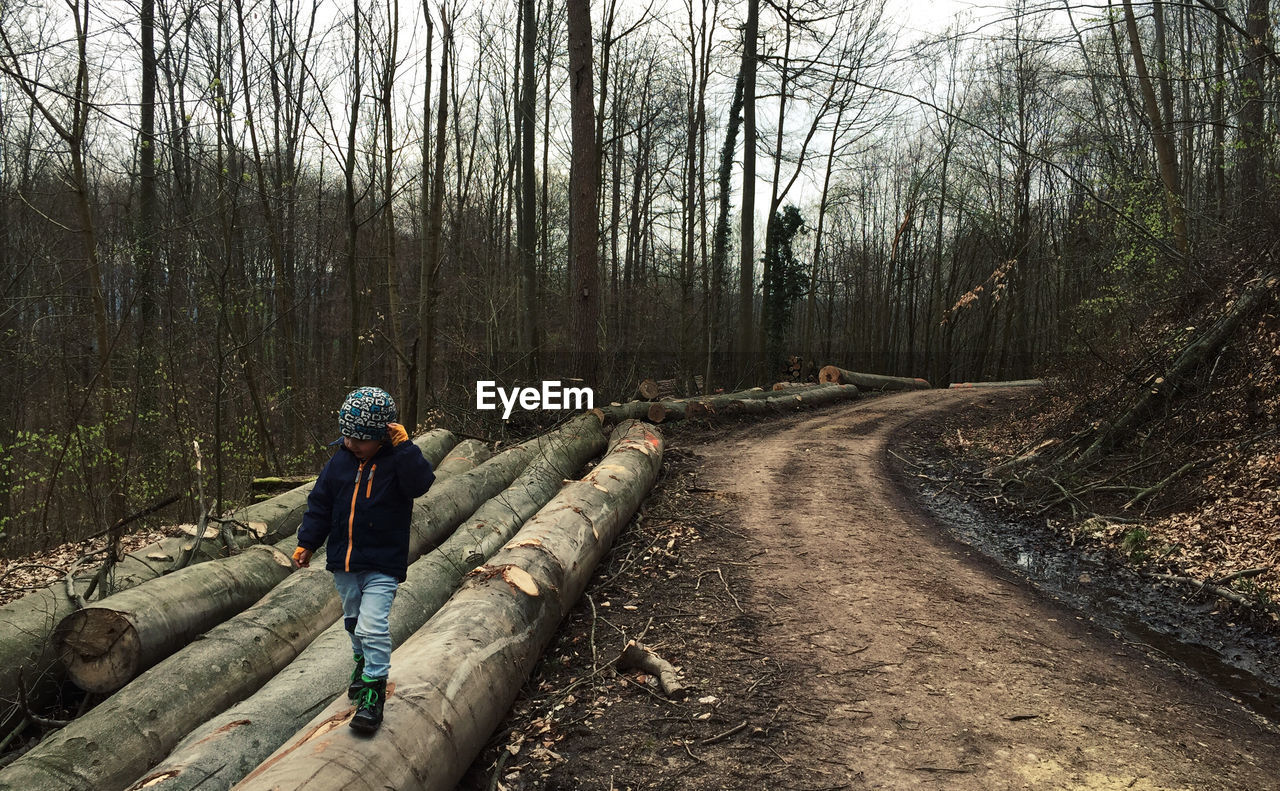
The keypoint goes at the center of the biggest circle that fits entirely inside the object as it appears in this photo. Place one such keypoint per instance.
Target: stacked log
(870, 382)
(224, 749)
(135, 728)
(817, 396)
(1012, 383)
(457, 677)
(27, 655)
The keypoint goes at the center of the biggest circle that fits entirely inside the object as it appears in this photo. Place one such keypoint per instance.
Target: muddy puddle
(1229, 648)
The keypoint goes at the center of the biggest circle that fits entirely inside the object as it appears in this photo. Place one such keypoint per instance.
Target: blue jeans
(366, 605)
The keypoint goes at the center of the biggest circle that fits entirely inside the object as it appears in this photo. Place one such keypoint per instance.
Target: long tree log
(706, 407)
(832, 374)
(27, 655)
(1010, 383)
(140, 724)
(107, 644)
(817, 396)
(226, 748)
(457, 677)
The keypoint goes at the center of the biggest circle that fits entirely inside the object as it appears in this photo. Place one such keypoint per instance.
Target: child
(362, 503)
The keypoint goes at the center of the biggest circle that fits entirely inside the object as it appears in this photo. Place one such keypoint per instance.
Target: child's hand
(302, 556)
(396, 434)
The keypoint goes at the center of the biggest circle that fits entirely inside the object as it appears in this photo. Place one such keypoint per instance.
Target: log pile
(456, 678)
(129, 732)
(225, 748)
(27, 655)
(869, 382)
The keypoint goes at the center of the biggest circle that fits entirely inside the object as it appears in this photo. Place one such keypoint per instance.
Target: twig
(70, 582)
(497, 769)
(1216, 590)
(1243, 574)
(25, 707)
(722, 736)
(731, 596)
(13, 734)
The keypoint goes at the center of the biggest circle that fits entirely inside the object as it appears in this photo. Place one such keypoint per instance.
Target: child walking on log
(362, 503)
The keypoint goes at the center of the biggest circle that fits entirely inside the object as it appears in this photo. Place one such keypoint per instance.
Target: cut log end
(829, 374)
(657, 413)
(648, 390)
(100, 649)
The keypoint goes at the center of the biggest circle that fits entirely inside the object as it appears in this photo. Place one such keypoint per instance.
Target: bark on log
(1011, 383)
(706, 407)
(616, 413)
(199, 681)
(456, 678)
(226, 748)
(818, 396)
(27, 650)
(873, 382)
(106, 645)
(789, 385)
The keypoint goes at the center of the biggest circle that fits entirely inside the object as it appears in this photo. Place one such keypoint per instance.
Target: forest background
(218, 216)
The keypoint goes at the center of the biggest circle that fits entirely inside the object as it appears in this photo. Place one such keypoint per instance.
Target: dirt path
(928, 667)
(834, 638)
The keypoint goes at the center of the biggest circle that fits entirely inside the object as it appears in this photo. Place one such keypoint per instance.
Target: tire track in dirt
(916, 664)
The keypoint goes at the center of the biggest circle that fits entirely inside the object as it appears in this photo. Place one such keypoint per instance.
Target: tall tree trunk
(746, 282)
(527, 222)
(720, 239)
(421, 376)
(387, 79)
(148, 211)
(435, 220)
(349, 203)
(584, 214)
(1253, 135)
(1166, 156)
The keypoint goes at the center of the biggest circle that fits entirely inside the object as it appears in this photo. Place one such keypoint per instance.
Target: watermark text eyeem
(551, 396)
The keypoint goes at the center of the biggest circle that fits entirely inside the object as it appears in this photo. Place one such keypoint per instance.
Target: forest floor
(836, 633)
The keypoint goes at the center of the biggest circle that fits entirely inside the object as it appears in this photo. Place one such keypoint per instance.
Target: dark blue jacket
(364, 509)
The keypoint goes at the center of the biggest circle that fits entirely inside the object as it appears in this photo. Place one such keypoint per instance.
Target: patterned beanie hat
(366, 413)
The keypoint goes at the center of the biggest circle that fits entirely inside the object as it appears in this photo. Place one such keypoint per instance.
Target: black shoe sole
(364, 727)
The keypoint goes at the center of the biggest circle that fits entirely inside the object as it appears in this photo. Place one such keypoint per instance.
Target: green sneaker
(357, 678)
(368, 716)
